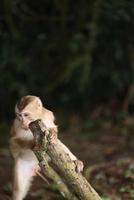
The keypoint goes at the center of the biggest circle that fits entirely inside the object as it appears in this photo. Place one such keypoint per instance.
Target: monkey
(30, 108)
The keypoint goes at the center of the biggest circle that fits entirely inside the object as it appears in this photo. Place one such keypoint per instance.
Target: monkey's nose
(24, 126)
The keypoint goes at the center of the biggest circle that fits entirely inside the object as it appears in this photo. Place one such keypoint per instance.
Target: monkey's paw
(79, 165)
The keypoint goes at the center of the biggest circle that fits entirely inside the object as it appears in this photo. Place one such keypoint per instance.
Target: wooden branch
(52, 174)
(78, 185)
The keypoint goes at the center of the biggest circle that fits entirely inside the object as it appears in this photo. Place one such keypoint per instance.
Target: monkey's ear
(39, 103)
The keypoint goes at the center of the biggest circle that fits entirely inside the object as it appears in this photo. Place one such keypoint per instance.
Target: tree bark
(77, 184)
(52, 174)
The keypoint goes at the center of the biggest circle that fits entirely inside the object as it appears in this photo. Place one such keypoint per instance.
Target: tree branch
(78, 185)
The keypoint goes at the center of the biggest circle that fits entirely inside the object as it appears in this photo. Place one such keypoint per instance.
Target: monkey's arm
(78, 163)
(13, 146)
(17, 144)
(53, 136)
(71, 155)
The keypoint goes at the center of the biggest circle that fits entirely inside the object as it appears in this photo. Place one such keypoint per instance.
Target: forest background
(78, 57)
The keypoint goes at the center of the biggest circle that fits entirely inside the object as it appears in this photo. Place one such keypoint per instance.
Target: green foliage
(66, 51)
(129, 173)
(7, 188)
(128, 190)
(106, 198)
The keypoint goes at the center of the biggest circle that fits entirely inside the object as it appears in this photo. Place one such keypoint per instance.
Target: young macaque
(26, 165)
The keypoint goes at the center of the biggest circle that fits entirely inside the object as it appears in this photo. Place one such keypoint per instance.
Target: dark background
(78, 57)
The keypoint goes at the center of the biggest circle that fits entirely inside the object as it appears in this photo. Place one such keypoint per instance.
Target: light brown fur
(28, 109)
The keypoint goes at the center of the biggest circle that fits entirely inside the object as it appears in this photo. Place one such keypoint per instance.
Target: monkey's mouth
(24, 126)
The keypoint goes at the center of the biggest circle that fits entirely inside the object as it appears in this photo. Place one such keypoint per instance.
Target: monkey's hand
(79, 165)
(53, 136)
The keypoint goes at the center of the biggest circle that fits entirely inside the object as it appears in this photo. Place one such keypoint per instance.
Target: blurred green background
(77, 56)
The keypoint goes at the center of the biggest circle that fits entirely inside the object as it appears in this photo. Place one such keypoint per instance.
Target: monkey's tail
(43, 178)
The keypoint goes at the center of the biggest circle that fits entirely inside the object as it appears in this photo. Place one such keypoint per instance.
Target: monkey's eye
(26, 114)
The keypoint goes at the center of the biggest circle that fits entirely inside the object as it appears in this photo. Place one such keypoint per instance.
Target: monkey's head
(28, 109)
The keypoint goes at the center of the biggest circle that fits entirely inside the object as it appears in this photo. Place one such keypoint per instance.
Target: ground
(107, 153)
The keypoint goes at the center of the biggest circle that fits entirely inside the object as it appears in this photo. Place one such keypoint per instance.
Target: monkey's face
(28, 109)
(25, 118)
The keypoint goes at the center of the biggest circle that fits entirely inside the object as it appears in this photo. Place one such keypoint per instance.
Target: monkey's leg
(23, 174)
